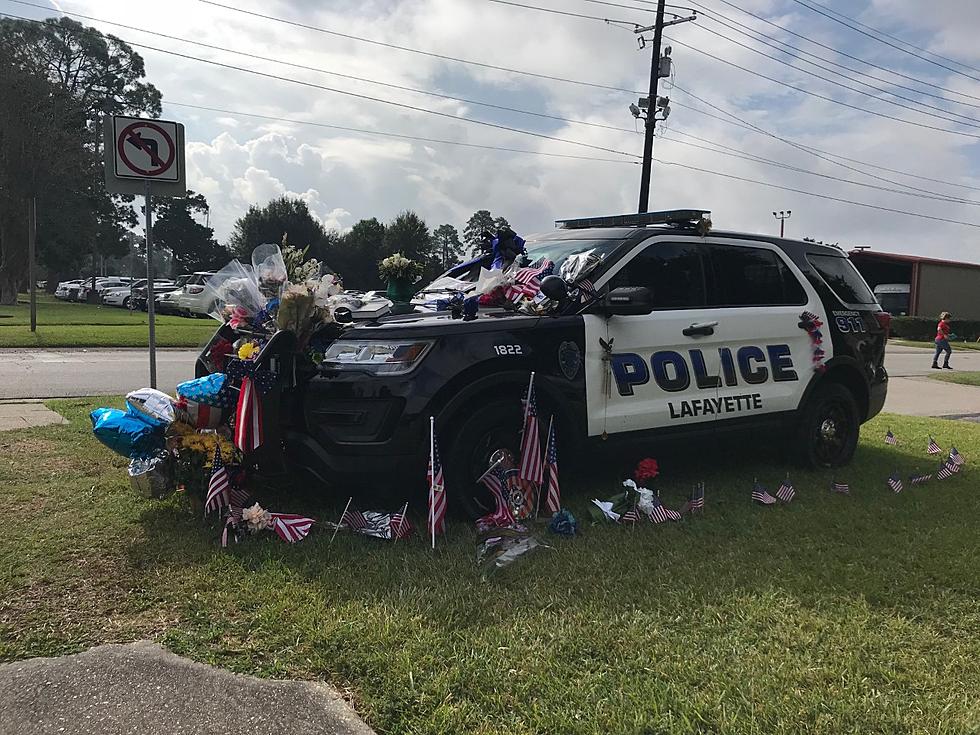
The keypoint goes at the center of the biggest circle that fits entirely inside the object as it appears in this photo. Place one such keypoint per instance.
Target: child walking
(943, 333)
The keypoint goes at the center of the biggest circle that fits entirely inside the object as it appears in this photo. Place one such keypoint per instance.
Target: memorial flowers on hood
(398, 267)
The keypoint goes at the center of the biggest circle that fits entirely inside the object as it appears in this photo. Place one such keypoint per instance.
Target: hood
(437, 324)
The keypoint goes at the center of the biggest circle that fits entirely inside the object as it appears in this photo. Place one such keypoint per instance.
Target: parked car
(168, 302)
(196, 300)
(101, 284)
(138, 293)
(62, 291)
(117, 296)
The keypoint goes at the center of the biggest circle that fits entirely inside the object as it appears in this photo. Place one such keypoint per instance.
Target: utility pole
(657, 70)
(782, 217)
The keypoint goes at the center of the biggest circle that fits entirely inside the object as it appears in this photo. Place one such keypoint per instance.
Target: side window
(672, 271)
(842, 277)
(747, 276)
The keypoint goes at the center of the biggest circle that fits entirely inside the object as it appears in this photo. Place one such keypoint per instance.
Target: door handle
(700, 329)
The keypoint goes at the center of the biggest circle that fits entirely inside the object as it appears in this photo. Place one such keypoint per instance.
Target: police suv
(691, 330)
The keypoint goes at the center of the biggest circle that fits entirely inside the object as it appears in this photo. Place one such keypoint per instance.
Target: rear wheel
(126, 302)
(829, 427)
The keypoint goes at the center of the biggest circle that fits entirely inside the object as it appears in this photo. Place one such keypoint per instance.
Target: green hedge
(924, 329)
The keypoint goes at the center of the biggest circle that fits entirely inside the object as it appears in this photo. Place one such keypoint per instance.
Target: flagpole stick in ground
(401, 522)
(432, 479)
(551, 424)
(346, 508)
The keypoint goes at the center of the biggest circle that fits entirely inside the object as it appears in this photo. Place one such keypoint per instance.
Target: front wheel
(829, 427)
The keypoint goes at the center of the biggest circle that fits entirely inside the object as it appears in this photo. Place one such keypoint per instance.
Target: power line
(816, 152)
(761, 37)
(321, 70)
(735, 153)
(823, 96)
(896, 38)
(970, 122)
(819, 196)
(356, 95)
(431, 54)
(854, 28)
(843, 53)
(565, 12)
(388, 134)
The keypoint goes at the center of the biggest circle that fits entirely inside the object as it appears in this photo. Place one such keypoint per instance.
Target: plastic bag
(269, 270)
(501, 547)
(125, 433)
(235, 295)
(152, 477)
(578, 266)
(152, 405)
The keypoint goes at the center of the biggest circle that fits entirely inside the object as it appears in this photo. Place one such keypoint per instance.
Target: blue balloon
(125, 433)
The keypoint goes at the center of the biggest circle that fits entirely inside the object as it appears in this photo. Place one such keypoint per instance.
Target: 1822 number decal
(508, 349)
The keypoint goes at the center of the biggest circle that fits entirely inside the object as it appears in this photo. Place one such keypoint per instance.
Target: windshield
(558, 251)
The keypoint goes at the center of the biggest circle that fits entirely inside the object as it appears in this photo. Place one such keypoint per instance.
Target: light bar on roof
(666, 217)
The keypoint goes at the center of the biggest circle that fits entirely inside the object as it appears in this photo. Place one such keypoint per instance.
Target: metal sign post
(138, 152)
(31, 249)
(150, 305)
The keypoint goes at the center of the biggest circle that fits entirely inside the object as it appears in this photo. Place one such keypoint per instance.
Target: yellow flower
(248, 350)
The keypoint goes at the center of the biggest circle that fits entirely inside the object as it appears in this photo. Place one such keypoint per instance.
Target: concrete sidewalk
(142, 689)
(921, 396)
(27, 413)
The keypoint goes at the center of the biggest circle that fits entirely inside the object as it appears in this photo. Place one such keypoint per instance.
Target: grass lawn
(964, 378)
(834, 614)
(61, 324)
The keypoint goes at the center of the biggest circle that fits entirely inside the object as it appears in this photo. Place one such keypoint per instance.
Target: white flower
(257, 518)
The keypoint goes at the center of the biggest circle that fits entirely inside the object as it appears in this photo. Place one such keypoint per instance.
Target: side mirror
(628, 301)
(555, 288)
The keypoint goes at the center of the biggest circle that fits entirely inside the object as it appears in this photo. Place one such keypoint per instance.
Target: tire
(489, 428)
(125, 303)
(828, 430)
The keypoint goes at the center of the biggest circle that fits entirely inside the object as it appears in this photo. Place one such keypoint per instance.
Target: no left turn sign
(146, 149)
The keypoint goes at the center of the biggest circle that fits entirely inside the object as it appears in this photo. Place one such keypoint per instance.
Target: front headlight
(394, 357)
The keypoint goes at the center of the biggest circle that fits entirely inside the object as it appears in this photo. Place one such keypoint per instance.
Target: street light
(782, 217)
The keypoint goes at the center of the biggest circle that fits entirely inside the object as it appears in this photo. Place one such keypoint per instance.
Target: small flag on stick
(895, 483)
(291, 527)
(890, 438)
(660, 514)
(695, 503)
(552, 503)
(761, 495)
(219, 485)
(946, 470)
(840, 487)
(920, 479)
(437, 487)
(956, 457)
(786, 491)
(532, 468)
(933, 448)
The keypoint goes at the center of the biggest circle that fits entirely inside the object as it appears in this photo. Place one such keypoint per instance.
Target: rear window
(746, 276)
(843, 278)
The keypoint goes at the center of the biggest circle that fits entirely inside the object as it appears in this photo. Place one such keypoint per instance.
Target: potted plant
(400, 273)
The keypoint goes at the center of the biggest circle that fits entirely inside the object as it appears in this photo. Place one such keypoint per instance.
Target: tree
(448, 247)
(499, 223)
(481, 222)
(355, 256)
(282, 216)
(191, 244)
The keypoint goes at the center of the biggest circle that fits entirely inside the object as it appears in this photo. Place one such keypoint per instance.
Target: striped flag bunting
(501, 516)
(219, 485)
(291, 527)
(552, 502)
(660, 514)
(248, 417)
(437, 487)
(532, 467)
(761, 495)
(946, 470)
(920, 479)
(895, 483)
(890, 438)
(840, 487)
(933, 448)
(786, 491)
(955, 457)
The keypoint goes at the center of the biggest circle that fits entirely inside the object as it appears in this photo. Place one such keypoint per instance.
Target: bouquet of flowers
(398, 267)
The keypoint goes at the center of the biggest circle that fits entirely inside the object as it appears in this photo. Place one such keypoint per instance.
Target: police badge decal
(569, 359)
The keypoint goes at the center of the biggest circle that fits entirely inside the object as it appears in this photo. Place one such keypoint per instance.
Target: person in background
(943, 333)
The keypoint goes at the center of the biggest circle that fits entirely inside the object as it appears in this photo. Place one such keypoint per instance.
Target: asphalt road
(63, 373)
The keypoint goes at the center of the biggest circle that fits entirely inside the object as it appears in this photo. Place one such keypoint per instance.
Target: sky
(579, 155)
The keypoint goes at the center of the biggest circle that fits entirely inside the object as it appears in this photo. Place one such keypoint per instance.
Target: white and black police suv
(691, 331)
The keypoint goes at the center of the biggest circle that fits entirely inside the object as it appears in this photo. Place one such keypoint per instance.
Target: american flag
(378, 524)
(401, 526)
(437, 488)
(809, 316)
(933, 447)
(920, 479)
(248, 417)
(501, 515)
(291, 527)
(659, 514)
(761, 495)
(532, 468)
(354, 520)
(895, 483)
(232, 523)
(890, 438)
(219, 485)
(840, 487)
(552, 502)
(630, 516)
(695, 503)
(527, 281)
(956, 458)
(946, 471)
(786, 491)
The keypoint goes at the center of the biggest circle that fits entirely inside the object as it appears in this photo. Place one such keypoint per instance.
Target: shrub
(923, 329)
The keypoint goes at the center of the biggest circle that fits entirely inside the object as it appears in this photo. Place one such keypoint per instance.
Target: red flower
(646, 470)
